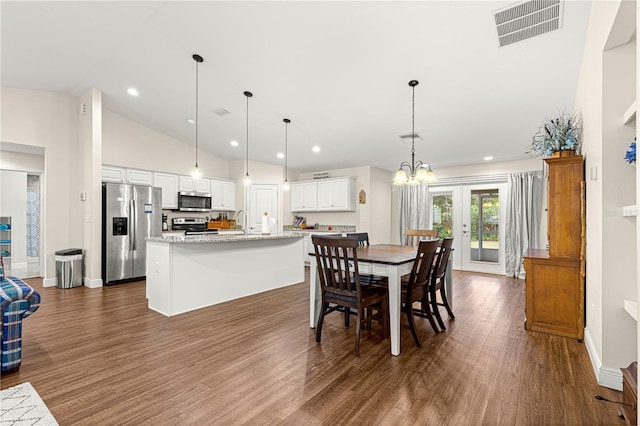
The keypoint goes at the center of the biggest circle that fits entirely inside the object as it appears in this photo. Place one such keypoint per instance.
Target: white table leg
(394, 309)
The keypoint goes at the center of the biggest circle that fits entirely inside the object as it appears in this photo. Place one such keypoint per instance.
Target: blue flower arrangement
(562, 133)
(630, 155)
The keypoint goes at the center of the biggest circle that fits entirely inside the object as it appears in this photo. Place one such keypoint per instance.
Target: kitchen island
(185, 273)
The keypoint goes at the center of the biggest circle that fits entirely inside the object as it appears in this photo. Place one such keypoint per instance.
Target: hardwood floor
(100, 357)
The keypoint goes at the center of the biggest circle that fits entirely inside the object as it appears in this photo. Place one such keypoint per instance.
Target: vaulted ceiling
(338, 70)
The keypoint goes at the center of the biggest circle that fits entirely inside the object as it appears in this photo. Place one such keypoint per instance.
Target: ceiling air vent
(527, 19)
(221, 112)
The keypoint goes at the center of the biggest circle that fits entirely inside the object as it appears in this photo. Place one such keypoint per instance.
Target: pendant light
(285, 186)
(195, 173)
(247, 179)
(418, 171)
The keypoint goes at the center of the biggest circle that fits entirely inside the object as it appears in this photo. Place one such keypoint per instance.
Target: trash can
(69, 268)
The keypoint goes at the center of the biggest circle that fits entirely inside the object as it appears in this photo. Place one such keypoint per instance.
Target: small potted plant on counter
(558, 137)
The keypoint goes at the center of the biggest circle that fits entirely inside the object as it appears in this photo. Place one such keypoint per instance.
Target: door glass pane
(443, 214)
(485, 220)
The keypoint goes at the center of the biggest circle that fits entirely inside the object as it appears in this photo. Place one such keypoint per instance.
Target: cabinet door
(139, 177)
(187, 184)
(113, 174)
(223, 195)
(335, 195)
(304, 196)
(340, 195)
(228, 196)
(325, 194)
(203, 185)
(169, 185)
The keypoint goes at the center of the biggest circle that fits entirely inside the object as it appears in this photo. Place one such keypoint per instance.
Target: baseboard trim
(49, 282)
(606, 376)
(93, 283)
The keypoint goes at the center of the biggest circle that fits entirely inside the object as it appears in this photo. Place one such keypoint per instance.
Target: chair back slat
(332, 257)
(424, 264)
(413, 236)
(443, 257)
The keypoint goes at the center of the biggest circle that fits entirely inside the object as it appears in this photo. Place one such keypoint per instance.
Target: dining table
(387, 260)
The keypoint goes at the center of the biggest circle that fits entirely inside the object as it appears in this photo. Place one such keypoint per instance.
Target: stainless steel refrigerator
(130, 214)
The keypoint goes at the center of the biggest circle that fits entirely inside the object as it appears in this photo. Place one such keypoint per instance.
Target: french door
(474, 215)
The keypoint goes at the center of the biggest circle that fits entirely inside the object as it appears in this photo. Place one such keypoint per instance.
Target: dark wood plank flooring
(100, 357)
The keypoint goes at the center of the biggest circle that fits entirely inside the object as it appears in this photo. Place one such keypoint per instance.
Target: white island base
(187, 274)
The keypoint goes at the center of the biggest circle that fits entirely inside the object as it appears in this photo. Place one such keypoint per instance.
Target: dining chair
(412, 236)
(438, 281)
(416, 287)
(340, 287)
(363, 238)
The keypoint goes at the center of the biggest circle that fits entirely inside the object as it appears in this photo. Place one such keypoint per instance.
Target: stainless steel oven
(194, 202)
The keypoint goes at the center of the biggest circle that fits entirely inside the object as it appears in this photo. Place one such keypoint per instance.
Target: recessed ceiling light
(191, 121)
(315, 149)
(132, 91)
(233, 143)
(280, 155)
(488, 158)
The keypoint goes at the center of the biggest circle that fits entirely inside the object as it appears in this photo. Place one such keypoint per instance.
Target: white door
(483, 214)
(456, 211)
(262, 198)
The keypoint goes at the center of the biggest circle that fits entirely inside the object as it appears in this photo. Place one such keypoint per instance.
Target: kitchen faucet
(244, 227)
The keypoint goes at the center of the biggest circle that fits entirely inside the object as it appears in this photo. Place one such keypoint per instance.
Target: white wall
(13, 203)
(601, 98)
(49, 120)
(380, 206)
(21, 161)
(130, 144)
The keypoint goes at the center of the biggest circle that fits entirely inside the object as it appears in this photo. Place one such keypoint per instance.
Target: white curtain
(524, 199)
(413, 207)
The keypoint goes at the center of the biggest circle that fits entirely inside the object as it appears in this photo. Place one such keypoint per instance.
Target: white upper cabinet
(304, 196)
(336, 194)
(223, 195)
(113, 174)
(139, 177)
(169, 185)
(203, 185)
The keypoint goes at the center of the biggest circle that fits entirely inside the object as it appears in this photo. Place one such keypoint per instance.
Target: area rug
(21, 406)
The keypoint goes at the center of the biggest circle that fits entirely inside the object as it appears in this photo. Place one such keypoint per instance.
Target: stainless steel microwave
(194, 202)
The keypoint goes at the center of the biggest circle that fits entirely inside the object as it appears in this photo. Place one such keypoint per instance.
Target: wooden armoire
(555, 277)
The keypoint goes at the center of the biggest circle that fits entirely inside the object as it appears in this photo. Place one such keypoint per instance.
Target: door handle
(132, 228)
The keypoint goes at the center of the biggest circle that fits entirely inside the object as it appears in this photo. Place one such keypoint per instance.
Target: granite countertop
(212, 238)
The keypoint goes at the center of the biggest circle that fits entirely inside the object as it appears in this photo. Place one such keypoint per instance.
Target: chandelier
(418, 171)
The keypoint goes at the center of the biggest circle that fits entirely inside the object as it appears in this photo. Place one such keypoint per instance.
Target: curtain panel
(522, 224)
(413, 207)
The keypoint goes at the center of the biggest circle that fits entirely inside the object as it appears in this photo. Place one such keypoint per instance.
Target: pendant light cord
(197, 120)
(413, 130)
(247, 159)
(286, 150)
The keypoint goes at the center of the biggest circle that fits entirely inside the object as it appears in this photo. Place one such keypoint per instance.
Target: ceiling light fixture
(191, 121)
(315, 149)
(418, 171)
(247, 179)
(488, 158)
(195, 173)
(285, 186)
(233, 143)
(132, 91)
